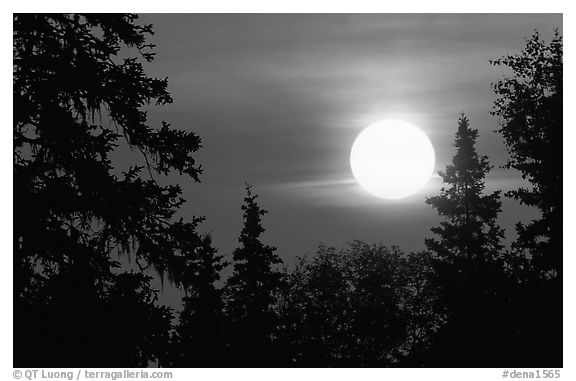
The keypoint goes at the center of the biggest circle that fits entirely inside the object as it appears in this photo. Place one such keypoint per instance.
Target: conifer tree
(530, 107)
(530, 110)
(467, 248)
(470, 230)
(251, 291)
(198, 341)
(80, 92)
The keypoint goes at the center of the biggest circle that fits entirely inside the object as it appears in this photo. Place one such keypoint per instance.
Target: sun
(392, 159)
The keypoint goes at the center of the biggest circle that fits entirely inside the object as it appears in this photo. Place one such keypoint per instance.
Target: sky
(278, 100)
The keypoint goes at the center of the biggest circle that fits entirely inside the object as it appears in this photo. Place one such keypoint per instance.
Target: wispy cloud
(279, 99)
(344, 190)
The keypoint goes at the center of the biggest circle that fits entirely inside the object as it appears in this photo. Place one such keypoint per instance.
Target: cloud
(279, 99)
(343, 191)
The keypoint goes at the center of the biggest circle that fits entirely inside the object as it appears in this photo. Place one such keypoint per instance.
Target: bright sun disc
(392, 159)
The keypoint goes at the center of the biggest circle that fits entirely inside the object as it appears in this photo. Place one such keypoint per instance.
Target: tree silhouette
(199, 341)
(138, 327)
(75, 102)
(421, 308)
(353, 307)
(314, 329)
(469, 272)
(377, 319)
(530, 108)
(529, 105)
(250, 292)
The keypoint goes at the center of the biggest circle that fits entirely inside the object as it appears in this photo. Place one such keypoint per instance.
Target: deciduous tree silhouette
(377, 319)
(469, 272)
(421, 308)
(530, 110)
(251, 293)
(360, 306)
(314, 328)
(75, 101)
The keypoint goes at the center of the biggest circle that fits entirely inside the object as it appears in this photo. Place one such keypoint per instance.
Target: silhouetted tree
(530, 110)
(75, 101)
(468, 269)
(377, 319)
(199, 340)
(138, 327)
(421, 310)
(250, 292)
(314, 329)
(346, 307)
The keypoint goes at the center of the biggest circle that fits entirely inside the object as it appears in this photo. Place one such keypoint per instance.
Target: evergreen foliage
(530, 107)
(251, 292)
(75, 102)
(468, 270)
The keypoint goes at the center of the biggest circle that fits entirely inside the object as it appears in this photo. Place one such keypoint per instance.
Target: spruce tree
(470, 230)
(251, 292)
(198, 341)
(530, 107)
(80, 92)
(467, 248)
